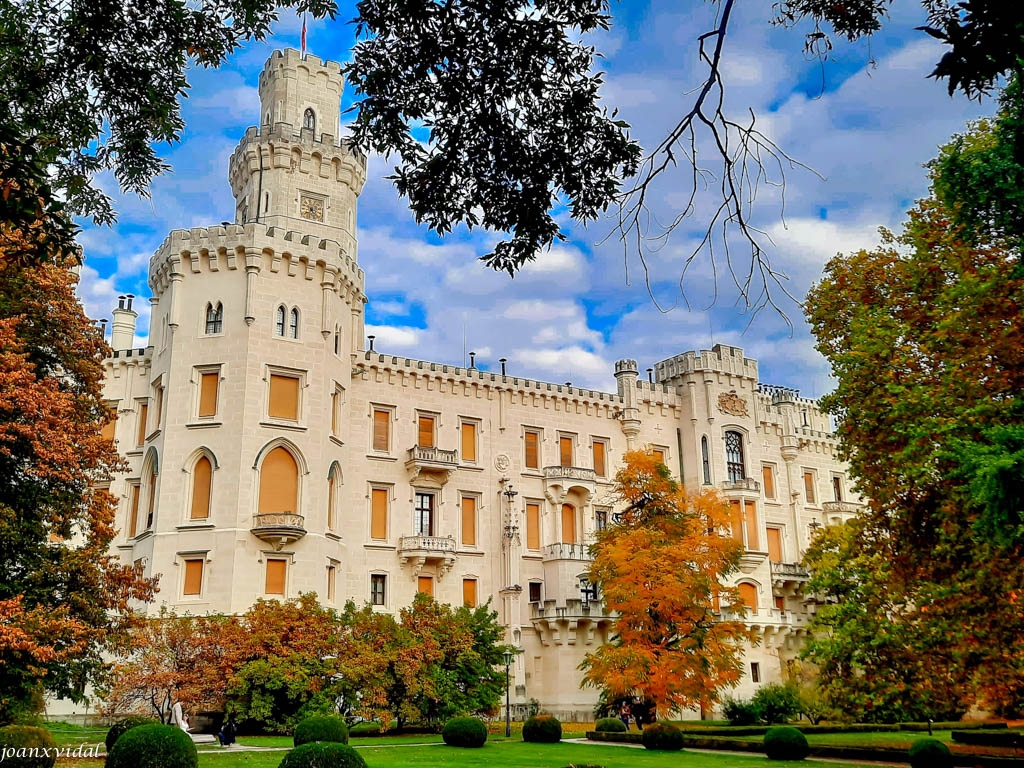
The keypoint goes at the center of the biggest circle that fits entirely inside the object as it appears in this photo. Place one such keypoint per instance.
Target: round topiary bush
(785, 743)
(662, 736)
(321, 728)
(40, 748)
(464, 732)
(930, 753)
(153, 746)
(610, 725)
(325, 754)
(125, 724)
(542, 729)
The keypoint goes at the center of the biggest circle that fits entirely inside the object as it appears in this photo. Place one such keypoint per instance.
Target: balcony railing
(422, 549)
(841, 508)
(573, 609)
(435, 456)
(567, 552)
(746, 484)
(279, 528)
(570, 473)
(790, 572)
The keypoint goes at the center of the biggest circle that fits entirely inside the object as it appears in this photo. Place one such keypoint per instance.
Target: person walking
(624, 714)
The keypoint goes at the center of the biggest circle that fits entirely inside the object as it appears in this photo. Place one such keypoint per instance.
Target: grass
(870, 739)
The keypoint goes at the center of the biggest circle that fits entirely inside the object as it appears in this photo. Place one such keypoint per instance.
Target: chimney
(122, 335)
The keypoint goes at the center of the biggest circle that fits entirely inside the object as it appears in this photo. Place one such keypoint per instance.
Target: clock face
(311, 208)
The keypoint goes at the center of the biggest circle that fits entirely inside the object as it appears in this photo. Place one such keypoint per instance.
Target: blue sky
(866, 123)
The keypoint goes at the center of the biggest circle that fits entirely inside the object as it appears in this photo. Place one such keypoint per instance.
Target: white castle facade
(271, 453)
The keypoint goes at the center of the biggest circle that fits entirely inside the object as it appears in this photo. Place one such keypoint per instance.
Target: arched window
(202, 482)
(748, 595)
(568, 524)
(734, 456)
(293, 323)
(279, 483)
(337, 341)
(309, 119)
(150, 474)
(214, 318)
(333, 490)
(705, 458)
(279, 321)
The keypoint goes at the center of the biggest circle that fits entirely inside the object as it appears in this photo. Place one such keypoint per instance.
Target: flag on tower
(303, 34)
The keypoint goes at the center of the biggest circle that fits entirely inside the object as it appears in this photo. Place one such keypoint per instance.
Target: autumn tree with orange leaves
(64, 599)
(659, 570)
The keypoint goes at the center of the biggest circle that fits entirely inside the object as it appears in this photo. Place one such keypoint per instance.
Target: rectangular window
(531, 445)
(108, 429)
(425, 584)
(837, 487)
(277, 570)
(133, 510)
(284, 397)
(755, 672)
(750, 513)
(565, 451)
(468, 441)
(535, 587)
(143, 418)
(659, 455)
(568, 524)
(381, 430)
(335, 400)
(379, 513)
(600, 519)
(159, 405)
(332, 581)
(736, 519)
(425, 438)
(532, 526)
(193, 577)
(378, 587)
(469, 592)
(809, 488)
(469, 521)
(599, 459)
(768, 478)
(775, 544)
(424, 511)
(780, 602)
(208, 385)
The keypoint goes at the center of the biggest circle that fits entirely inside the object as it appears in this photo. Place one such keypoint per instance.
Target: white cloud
(392, 336)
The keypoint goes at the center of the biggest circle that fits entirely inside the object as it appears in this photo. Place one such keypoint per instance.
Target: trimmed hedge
(321, 728)
(323, 754)
(662, 736)
(122, 726)
(366, 728)
(610, 725)
(952, 725)
(28, 737)
(994, 738)
(930, 753)
(785, 743)
(628, 737)
(542, 729)
(464, 732)
(153, 746)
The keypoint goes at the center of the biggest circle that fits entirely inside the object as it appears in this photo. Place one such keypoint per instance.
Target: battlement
(721, 358)
(626, 366)
(291, 59)
(776, 395)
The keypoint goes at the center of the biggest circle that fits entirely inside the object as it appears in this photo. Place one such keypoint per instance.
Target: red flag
(303, 34)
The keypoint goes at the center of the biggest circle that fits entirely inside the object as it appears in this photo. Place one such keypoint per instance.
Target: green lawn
(871, 739)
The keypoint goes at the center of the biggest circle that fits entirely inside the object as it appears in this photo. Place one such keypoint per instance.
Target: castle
(272, 453)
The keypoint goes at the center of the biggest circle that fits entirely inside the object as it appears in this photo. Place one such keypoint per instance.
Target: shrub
(29, 737)
(324, 754)
(153, 746)
(662, 736)
(542, 729)
(365, 728)
(741, 712)
(610, 725)
(785, 743)
(321, 728)
(930, 753)
(464, 732)
(122, 726)
(777, 703)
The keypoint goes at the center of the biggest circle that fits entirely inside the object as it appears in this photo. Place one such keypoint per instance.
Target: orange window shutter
(599, 467)
(568, 524)
(208, 394)
(780, 602)
(143, 417)
(193, 577)
(809, 487)
(769, 482)
(133, 513)
(748, 594)
(108, 429)
(468, 441)
(426, 432)
(425, 584)
(736, 520)
(533, 526)
(379, 514)
(565, 451)
(659, 455)
(469, 520)
(276, 572)
(750, 509)
(202, 477)
(332, 577)
(775, 545)
(279, 483)
(284, 397)
(381, 430)
(469, 592)
(532, 452)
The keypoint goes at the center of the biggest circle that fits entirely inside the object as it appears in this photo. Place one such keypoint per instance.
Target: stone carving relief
(502, 463)
(733, 404)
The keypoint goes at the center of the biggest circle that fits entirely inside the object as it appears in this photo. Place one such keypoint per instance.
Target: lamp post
(509, 656)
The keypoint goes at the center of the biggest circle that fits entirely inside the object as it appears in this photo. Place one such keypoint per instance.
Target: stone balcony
(567, 552)
(569, 474)
(746, 486)
(278, 528)
(837, 512)
(432, 461)
(789, 573)
(570, 622)
(417, 551)
(559, 480)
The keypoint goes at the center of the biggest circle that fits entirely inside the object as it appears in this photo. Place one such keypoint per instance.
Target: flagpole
(303, 34)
